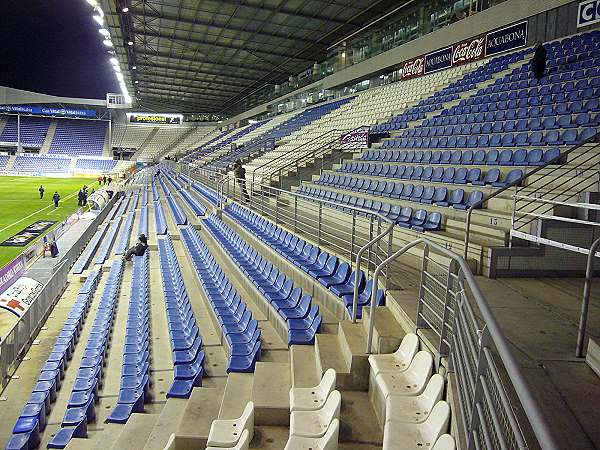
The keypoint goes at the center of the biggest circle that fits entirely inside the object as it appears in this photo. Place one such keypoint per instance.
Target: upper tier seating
(130, 136)
(206, 147)
(33, 131)
(95, 165)
(195, 137)
(79, 137)
(3, 161)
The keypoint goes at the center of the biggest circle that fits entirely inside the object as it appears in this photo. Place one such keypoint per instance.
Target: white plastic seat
(329, 441)
(315, 423)
(309, 399)
(243, 443)
(417, 436)
(227, 433)
(397, 361)
(445, 442)
(401, 408)
(409, 382)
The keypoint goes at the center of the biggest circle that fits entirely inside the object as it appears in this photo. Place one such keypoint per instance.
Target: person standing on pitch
(240, 174)
(109, 180)
(42, 190)
(56, 199)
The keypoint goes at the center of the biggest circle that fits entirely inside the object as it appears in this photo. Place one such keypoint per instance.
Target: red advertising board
(413, 67)
(467, 51)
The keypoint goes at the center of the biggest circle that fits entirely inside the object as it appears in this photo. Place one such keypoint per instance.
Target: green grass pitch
(20, 205)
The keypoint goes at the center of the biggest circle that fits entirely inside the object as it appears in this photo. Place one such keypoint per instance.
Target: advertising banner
(588, 13)
(160, 119)
(10, 272)
(507, 38)
(413, 68)
(498, 41)
(356, 139)
(442, 59)
(65, 112)
(467, 51)
(18, 298)
(28, 234)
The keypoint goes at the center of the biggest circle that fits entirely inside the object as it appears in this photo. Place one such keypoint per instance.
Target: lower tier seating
(186, 341)
(33, 419)
(135, 374)
(84, 395)
(160, 219)
(302, 318)
(241, 331)
(334, 275)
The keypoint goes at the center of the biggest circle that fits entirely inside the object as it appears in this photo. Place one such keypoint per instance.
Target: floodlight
(98, 16)
(107, 42)
(104, 32)
(117, 68)
(119, 76)
(92, 2)
(114, 61)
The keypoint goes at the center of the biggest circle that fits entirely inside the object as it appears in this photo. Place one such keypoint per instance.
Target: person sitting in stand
(138, 249)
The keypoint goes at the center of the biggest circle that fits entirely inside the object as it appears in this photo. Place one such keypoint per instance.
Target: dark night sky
(53, 47)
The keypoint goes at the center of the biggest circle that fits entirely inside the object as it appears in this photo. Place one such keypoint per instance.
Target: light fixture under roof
(126, 9)
(104, 32)
(107, 42)
(134, 67)
(114, 61)
(92, 2)
(130, 43)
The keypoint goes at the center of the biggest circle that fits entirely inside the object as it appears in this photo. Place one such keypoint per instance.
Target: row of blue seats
(159, 218)
(86, 256)
(109, 240)
(325, 268)
(520, 139)
(460, 115)
(419, 220)
(206, 192)
(145, 196)
(509, 89)
(123, 243)
(520, 80)
(135, 373)
(509, 126)
(191, 201)
(439, 196)
(155, 195)
(33, 418)
(186, 341)
(507, 157)
(302, 317)
(80, 408)
(438, 174)
(143, 225)
(178, 214)
(133, 203)
(241, 331)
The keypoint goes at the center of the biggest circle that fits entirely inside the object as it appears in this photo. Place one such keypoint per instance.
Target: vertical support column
(419, 322)
(319, 223)
(353, 235)
(295, 214)
(18, 133)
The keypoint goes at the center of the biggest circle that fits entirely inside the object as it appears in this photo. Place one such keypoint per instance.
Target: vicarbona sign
(589, 13)
(507, 38)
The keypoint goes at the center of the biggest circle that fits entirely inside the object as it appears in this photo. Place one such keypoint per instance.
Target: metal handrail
(534, 413)
(313, 152)
(585, 302)
(281, 156)
(517, 182)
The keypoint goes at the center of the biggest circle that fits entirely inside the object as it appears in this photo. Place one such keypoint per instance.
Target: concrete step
(270, 393)
(135, 432)
(167, 423)
(357, 409)
(303, 359)
(201, 409)
(238, 392)
(592, 358)
(387, 331)
(353, 343)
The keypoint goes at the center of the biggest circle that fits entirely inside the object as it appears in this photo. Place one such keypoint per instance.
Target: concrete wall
(549, 19)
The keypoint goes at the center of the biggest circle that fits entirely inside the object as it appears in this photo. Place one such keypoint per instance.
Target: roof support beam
(145, 66)
(182, 93)
(189, 89)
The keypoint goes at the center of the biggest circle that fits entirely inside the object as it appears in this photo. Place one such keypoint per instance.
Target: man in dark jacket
(240, 174)
(42, 190)
(56, 199)
(138, 249)
(538, 62)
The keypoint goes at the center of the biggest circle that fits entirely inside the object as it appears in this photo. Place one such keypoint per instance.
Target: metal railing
(455, 316)
(559, 162)
(319, 221)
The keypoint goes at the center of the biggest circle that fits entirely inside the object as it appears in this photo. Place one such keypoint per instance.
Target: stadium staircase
(49, 136)
(10, 163)
(2, 124)
(144, 144)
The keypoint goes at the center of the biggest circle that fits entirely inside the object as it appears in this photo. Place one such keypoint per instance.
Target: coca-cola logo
(413, 67)
(469, 50)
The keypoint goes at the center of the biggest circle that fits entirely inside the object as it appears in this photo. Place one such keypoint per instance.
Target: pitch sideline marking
(36, 212)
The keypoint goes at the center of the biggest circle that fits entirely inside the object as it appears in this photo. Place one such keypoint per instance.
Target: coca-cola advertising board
(468, 51)
(413, 68)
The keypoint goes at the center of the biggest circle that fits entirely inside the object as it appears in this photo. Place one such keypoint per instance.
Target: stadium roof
(203, 55)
